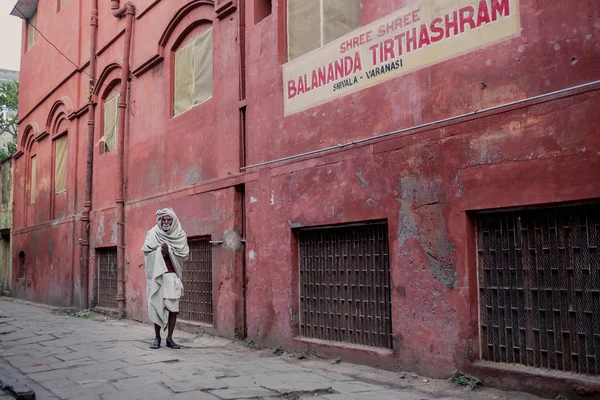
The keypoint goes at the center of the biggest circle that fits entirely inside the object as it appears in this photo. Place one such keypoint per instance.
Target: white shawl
(176, 240)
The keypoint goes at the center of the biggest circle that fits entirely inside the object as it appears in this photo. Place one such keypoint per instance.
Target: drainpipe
(243, 142)
(127, 11)
(84, 257)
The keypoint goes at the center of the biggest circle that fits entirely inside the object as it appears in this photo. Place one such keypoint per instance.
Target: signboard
(412, 38)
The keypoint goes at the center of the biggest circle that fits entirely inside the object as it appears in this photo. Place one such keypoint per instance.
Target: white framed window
(31, 32)
(110, 124)
(193, 78)
(314, 23)
(32, 180)
(60, 164)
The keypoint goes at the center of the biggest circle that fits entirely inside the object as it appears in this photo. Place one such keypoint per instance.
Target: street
(65, 357)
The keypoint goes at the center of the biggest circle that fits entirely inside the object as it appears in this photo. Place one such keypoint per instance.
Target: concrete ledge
(196, 327)
(15, 387)
(356, 354)
(376, 351)
(109, 312)
(541, 382)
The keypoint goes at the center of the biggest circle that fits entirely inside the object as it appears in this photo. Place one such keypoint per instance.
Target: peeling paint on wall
(113, 235)
(100, 229)
(294, 224)
(363, 182)
(232, 240)
(193, 174)
(421, 218)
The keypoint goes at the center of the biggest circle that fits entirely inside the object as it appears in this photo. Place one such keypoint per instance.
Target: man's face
(166, 222)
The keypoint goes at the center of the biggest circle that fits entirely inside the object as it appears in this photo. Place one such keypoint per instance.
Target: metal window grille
(539, 288)
(345, 285)
(197, 302)
(107, 277)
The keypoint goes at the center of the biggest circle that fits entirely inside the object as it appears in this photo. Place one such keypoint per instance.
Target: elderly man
(165, 250)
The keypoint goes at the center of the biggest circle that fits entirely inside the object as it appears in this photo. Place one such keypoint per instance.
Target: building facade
(6, 137)
(409, 184)
(6, 183)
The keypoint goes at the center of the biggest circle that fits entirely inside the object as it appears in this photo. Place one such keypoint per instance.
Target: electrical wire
(57, 49)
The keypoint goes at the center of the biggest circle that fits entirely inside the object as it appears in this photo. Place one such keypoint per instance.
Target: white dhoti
(172, 291)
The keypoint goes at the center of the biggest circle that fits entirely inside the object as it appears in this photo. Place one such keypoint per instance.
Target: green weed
(251, 344)
(278, 351)
(459, 378)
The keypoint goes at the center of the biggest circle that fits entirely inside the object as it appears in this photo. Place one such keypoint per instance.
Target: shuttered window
(31, 32)
(111, 124)
(32, 180)
(193, 73)
(60, 164)
(314, 23)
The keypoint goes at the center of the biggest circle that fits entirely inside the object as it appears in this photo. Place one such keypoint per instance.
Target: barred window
(539, 287)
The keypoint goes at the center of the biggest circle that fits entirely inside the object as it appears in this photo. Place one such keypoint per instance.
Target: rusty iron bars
(197, 303)
(539, 288)
(107, 277)
(344, 278)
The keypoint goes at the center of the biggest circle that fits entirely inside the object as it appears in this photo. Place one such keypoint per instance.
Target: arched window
(30, 146)
(108, 95)
(193, 72)
(57, 125)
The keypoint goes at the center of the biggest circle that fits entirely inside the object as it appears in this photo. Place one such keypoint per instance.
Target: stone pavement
(62, 357)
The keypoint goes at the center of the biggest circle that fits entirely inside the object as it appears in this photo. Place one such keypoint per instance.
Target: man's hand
(164, 248)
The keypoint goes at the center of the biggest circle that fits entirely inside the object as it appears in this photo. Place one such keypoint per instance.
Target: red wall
(424, 183)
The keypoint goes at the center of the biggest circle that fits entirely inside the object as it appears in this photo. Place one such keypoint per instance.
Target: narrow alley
(64, 357)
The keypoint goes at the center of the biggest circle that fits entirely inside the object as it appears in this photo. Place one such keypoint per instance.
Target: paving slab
(298, 386)
(139, 381)
(86, 389)
(354, 387)
(196, 395)
(240, 393)
(200, 383)
(58, 383)
(152, 391)
(14, 386)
